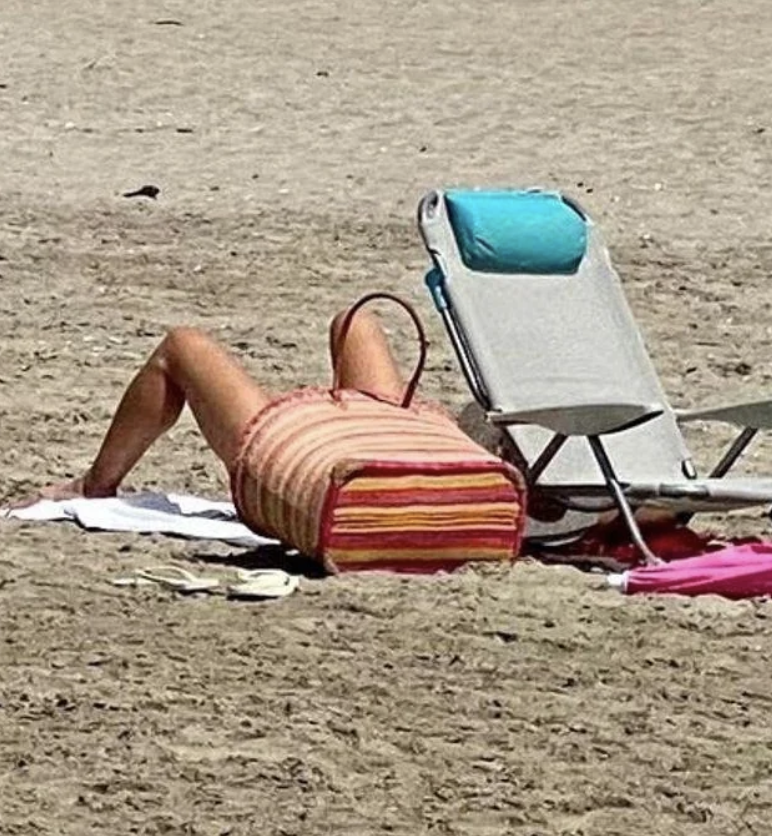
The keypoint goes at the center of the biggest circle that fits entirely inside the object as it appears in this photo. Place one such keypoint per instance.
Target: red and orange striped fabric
(361, 483)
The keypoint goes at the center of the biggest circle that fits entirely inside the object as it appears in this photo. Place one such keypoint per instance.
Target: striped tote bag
(361, 483)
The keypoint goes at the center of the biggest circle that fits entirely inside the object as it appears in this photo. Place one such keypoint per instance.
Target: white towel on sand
(179, 515)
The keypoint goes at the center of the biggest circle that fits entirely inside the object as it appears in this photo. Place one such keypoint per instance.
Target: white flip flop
(131, 581)
(263, 583)
(172, 577)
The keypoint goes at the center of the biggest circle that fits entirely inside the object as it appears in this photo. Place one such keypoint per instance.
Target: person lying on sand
(190, 367)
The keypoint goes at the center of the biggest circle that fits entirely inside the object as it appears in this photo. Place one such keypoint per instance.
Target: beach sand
(291, 142)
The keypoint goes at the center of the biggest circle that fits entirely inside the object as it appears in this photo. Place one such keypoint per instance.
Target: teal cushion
(517, 231)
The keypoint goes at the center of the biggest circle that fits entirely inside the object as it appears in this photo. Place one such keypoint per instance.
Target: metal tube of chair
(734, 452)
(464, 358)
(545, 457)
(615, 488)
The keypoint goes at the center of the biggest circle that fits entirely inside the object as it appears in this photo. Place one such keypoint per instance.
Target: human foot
(77, 488)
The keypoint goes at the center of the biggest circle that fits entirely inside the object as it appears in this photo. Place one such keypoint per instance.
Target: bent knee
(181, 336)
(363, 322)
(180, 342)
(185, 333)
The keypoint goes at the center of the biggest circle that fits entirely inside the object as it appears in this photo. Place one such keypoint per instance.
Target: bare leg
(187, 367)
(366, 361)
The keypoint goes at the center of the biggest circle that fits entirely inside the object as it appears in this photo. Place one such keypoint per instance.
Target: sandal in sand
(263, 583)
(172, 577)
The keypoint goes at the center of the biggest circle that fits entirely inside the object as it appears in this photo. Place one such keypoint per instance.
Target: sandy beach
(291, 142)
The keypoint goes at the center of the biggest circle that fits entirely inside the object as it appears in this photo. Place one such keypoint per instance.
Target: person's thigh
(364, 358)
(220, 392)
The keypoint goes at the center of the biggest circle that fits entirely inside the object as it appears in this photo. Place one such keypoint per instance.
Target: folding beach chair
(551, 352)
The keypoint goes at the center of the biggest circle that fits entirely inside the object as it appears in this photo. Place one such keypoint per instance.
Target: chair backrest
(541, 315)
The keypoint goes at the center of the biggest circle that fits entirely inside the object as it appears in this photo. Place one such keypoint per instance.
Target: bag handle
(422, 343)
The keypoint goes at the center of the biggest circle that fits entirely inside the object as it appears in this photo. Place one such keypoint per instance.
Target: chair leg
(618, 494)
(545, 457)
(734, 452)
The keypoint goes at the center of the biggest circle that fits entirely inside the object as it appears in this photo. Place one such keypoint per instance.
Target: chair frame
(595, 422)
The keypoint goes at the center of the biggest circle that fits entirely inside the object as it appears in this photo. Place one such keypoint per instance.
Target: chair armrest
(581, 419)
(756, 415)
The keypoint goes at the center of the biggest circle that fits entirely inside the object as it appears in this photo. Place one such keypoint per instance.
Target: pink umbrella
(735, 572)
